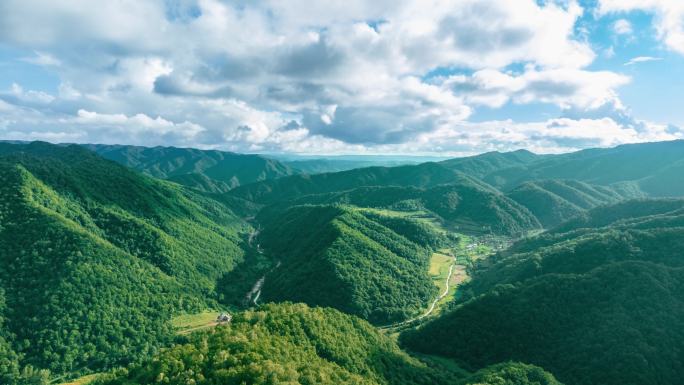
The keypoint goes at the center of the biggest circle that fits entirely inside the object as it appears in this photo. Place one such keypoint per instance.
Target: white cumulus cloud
(669, 17)
(281, 75)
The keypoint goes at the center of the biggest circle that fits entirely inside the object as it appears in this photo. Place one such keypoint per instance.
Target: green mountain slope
(624, 212)
(295, 344)
(556, 201)
(621, 324)
(466, 206)
(581, 253)
(363, 264)
(511, 373)
(629, 162)
(482, 165)
(95, 258)
(665, 182)
(463, 202)
(644, 230)
(9, 360)
(597, 300)
(422, 176)
(473, 209)
(651, 167)
(337, 164)
(205, 170)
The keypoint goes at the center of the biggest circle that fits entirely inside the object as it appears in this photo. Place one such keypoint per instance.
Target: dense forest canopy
(619, 324)
(204, 170)
(598, 300)
(653, 168)
(295, 344)
(365, 264)
(556, 201)
(95, 258)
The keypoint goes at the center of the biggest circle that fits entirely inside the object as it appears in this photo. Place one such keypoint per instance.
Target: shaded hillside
(630, 162)
(597, 300)
(422, 176)
(628, 211)
(467, 207)
(95, 258)
(473, 209)
(201, 182)
(648, 230)
(511, 373)
(482, 165)
(580, 253)
(463, 202)
(621, 324)
(556, 201)
(362, 264)
(651, 167)
(665, 182)
(205, 170)
(336, 164)
(295, 344)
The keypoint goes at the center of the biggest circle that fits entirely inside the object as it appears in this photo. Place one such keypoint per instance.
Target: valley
(341, 192)
(415, 274)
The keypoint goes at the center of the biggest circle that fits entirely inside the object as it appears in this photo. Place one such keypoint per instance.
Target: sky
(414, 77)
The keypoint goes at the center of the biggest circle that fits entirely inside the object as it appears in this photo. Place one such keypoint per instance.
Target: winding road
(444, 294)
(432, 306)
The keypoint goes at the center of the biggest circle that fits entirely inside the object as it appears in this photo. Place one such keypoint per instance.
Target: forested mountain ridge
(464, 206)
(461, 201)
(205, 170)
(362, 263)
(480, 166)
(295, 344)
(620, 324)
(424, 175)
(337, 164)
(96, 258)
(597, 300)
(649, 167)
(635, 210)
(539, 190)
(643, 230)
(555, 201)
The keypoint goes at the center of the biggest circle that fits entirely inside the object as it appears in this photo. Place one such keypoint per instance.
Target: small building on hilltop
(224, 317)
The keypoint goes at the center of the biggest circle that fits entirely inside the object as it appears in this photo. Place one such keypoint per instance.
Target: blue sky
(429, 77)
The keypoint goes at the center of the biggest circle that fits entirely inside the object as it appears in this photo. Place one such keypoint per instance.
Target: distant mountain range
(219, 171)
(653, 168)
(205, 170)
(632, 170)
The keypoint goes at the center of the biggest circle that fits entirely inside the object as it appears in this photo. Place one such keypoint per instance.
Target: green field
(187, 323)
(467, 249)
(82, 380)
(439, 267)
(440, 263)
